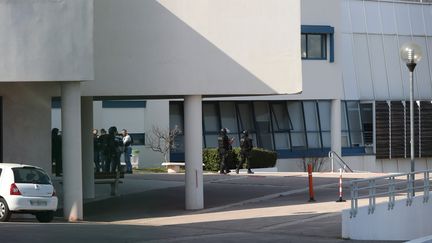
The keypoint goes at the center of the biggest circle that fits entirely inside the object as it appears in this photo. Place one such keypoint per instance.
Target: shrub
(260, 158)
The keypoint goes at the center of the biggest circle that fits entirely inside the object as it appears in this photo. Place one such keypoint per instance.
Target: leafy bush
(260, 158)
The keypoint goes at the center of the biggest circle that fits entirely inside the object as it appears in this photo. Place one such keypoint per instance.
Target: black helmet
(112, 130)
(245, 133)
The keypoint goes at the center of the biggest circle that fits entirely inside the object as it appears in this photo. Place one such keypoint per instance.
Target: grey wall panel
(391, 51)
(378, 67)
(427, 13)
(357, 17)
(422, 76)
(388, 17)
(428, 58)
(348, 70)
(345, 15)
(373, 20)
(362, 67)
(417, 23)
(403, 19)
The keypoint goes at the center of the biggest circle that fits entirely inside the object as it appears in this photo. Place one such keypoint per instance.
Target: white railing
(332, 154)
(389, 186)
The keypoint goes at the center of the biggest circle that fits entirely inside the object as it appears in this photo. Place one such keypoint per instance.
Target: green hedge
(260, 158)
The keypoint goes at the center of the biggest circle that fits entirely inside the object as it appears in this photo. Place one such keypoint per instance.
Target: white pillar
(336, 144)
(193, 152)
(87, 147)
(71, 149)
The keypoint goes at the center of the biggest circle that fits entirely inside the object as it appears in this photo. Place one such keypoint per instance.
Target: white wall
(401, 223)
(46, 40)
(27, 124)
(183, 47)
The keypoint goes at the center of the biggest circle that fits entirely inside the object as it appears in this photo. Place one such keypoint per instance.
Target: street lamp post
(411, 54)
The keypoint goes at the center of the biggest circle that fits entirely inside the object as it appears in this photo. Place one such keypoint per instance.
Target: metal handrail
(389, 186)
(344, 165)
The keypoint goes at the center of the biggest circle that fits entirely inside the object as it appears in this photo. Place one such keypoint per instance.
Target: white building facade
(354, 100)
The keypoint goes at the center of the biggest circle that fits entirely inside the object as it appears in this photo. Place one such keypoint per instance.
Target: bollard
(311, 192)
(340, 187)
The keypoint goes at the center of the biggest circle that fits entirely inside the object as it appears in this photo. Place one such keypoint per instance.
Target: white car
(26, 189)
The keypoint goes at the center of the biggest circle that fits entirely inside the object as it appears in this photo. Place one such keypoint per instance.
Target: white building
(134, 49)
(349, 89)
(351, 69)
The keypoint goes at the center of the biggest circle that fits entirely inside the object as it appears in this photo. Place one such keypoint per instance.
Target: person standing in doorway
(56, 151)
(245, 152)
(127, 143)
(96, 150)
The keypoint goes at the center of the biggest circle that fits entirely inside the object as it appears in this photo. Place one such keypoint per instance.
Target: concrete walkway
(264, 207)
(237, 207)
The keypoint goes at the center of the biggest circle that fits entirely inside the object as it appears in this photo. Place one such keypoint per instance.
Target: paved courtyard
(264, 207)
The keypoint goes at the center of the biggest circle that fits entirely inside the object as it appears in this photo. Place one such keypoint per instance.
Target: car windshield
(30, 175)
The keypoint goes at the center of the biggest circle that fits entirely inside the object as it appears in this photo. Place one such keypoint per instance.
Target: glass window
(312, 125)
(138, 138)
(176, 119)
(245, 117)
(30, 175)
(295, 112)
(344, 126)
(313, 46)
(211, 117)
(367, 120)
(324, 108)
(303, 46)
(355, 124)
(281, 120)
(262, 118)
(228, 116)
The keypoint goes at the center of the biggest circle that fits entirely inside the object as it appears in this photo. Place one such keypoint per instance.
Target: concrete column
(336, 144)
(193, 152)
(87, 147)
(71, 149)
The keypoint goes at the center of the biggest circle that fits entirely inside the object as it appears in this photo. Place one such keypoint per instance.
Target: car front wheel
(5, 214)
(45, 217)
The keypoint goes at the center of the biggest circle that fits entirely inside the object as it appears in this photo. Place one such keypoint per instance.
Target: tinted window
(30, 175)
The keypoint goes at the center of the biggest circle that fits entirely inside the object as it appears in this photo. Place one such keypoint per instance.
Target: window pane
(211, 119)
(325, 112)
(280, 117)
(315, 46)
(228, 116)
(355, 123)
(298, 138)
(282, 140)
(211, 141)
(366, 117)
(246, 119)
(176, 114)
(303, 46)
(262, 116)
(313, 140)
(311, 116)
(326, 137)
(176, 119)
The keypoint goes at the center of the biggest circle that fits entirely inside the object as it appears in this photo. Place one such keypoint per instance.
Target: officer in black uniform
(245, 152)
(224, 144)
(115, 149)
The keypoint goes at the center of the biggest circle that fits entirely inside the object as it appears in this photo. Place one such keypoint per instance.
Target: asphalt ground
(265, 207)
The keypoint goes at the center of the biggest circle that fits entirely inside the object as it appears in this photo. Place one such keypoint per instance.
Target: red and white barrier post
(311, 192)
(340, 187)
